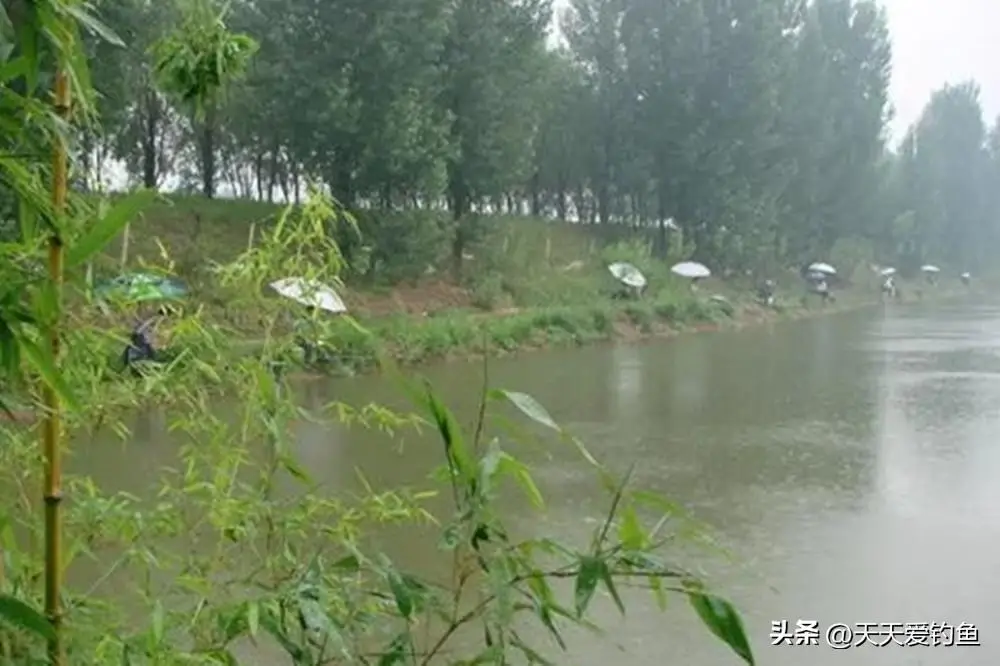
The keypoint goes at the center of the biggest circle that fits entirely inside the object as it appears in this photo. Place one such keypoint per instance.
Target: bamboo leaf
(586, 582)
(401, 593)
(521, 473)
(630, 532)
(451, 435)
(290, 465)
(609, 584)
(530, 407)
(13, 69)
(40, 358)
(396, 654)
(108, 227)
(532, 655)
(21, 615)
(253, 618)
(719, 616)
(90, 23)
(157, 622)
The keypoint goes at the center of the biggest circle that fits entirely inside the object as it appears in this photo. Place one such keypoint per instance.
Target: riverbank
(528, 284)
(448, 335)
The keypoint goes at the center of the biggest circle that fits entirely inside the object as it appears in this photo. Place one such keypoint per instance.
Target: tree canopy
(760, 126)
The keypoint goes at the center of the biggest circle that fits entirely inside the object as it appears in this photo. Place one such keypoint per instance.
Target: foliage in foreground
(225, 551)
(236, 542)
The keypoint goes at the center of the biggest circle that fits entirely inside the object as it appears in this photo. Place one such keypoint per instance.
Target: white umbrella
(888, 271)
(691, 269)
(628, 274)
(672, 224)
(930, 268)
(965, 276)
(820, 267)
(310, 293)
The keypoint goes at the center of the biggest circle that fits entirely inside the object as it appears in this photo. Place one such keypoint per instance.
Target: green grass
(529, 284)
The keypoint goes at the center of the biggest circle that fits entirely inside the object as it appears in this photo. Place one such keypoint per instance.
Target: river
(849, 463)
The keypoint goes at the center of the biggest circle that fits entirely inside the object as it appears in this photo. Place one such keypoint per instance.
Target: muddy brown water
(850, 464)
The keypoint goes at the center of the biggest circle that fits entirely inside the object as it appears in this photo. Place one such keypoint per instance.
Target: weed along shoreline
(448, 336)
(527, 284)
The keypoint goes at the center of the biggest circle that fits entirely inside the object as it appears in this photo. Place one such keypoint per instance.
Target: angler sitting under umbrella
(818, 274)
(314, 296)
(889, 282)
(889, 287)
(629, 276)
(691, 270)
(765, 292)
(142, 289)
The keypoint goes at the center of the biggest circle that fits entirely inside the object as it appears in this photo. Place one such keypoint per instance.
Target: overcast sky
(937, 42)
(943, 41)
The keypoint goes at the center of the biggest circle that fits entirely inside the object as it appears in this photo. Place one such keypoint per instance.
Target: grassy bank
(528, 284)
(460, 334)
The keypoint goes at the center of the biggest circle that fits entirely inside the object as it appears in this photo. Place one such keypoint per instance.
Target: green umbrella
(141, 287)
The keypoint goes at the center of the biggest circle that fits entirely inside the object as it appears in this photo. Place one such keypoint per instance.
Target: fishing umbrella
(628, 274)
(820, 267)
(691, 269)
(141, 287)
(886, 272)
(930, 268)
(310, 293)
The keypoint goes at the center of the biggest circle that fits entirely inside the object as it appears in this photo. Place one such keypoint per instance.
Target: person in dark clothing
(140, 347)
(765, 292)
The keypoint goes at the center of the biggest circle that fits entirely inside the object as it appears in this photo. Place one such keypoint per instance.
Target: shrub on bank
(410, 341)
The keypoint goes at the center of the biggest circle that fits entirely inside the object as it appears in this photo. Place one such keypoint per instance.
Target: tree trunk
(207, 153)
(151, 130)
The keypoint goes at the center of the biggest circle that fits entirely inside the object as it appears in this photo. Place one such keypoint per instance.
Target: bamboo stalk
(123, 260)
(52, 432)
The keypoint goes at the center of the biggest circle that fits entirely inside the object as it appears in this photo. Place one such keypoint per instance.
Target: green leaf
(349, 563)
(401, 593)
(41, 359)
(530, 407)
(13, 69)
(656, 587)
(104, 230)
(157, 622)
(591, 571)
(396, 653)
(451, 436)
(21, 615)
(224, 657)
(722, 620)
(290, 465)
(273, 626)
(630, 532)
(544, 604)
(609, 584)
(10, 358)
(514, 467)
(532, 655)
(253, 618)
(91, 23)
